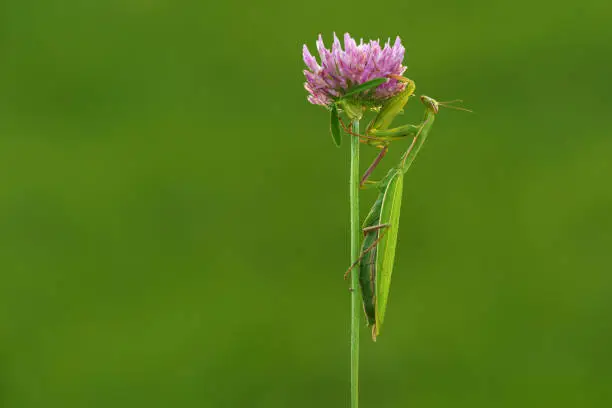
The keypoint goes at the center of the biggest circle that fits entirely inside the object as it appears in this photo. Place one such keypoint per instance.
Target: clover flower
(341, 69)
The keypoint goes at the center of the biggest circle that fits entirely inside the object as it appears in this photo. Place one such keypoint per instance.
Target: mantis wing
(389, 214)
(367, 276)
(367, 266)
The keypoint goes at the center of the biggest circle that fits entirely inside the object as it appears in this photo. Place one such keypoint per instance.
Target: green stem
(355, 238)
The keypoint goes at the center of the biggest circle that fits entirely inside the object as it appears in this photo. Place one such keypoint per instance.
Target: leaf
(389, 214)
(335, 126)
(365, 86)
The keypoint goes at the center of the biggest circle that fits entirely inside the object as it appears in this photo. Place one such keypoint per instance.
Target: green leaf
(335, 126)
(365, 86)
(389, 214)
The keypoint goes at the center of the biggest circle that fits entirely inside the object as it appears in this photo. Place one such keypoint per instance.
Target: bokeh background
(174, 216)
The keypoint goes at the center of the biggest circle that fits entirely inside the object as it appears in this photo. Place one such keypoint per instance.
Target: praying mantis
(380, 227)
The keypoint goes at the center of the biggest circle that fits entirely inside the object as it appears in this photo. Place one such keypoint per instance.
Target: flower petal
(356, 64)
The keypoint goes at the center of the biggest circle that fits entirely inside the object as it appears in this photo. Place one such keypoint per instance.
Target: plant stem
(355, 238)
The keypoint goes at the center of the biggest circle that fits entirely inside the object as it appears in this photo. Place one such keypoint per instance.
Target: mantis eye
(430, 102)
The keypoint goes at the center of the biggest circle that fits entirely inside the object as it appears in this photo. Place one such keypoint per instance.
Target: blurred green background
(174, 216)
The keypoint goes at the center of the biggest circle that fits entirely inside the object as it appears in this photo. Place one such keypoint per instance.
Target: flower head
(341, 69)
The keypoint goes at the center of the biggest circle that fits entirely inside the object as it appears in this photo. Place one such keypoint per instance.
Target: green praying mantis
(380, 227)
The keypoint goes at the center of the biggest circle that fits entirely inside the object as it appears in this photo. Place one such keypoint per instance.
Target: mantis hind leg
(375, 163)
(366, 231)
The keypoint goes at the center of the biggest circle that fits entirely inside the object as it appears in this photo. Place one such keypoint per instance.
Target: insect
(380, 227)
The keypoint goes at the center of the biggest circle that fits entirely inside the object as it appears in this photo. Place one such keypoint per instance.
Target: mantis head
(434, 105)
(431, 103)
